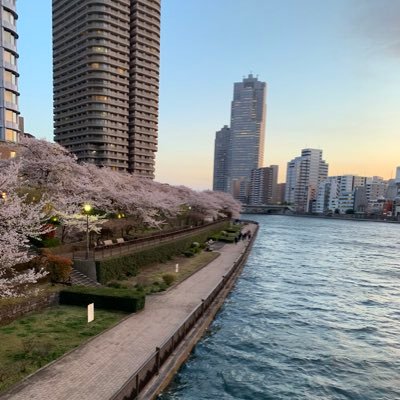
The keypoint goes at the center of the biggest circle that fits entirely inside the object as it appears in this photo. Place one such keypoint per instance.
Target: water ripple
(315, 316)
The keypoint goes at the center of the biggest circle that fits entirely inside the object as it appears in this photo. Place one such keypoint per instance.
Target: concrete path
(100, 368)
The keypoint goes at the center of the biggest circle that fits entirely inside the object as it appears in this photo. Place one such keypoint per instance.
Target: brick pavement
(98, 369)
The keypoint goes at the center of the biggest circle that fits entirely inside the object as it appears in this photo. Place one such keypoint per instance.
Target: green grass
(31, 342)
(150, 277)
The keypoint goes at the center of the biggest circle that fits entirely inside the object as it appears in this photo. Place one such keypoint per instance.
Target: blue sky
(332, 69)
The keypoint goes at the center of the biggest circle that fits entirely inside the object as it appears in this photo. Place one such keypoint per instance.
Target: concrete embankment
(156, 340)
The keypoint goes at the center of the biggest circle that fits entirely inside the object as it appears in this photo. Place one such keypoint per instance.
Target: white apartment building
(292, 177)
(303, 176)
(336, 193)
(376, 189)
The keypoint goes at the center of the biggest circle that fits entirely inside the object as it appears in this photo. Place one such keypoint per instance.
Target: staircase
(77, 278)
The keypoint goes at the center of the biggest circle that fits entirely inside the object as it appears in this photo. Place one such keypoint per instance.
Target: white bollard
(177, 268)
(90, 312)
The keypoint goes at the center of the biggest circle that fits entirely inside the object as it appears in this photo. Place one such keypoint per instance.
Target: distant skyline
(332, 70)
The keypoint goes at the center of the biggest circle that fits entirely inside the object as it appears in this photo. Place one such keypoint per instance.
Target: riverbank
(99, 369)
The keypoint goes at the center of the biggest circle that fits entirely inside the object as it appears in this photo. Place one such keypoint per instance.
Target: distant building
(106, 57)
(9, 129)
(292, 179)
(392, 190)
(376, 189)
(346, 202)
(360, 199)
(245, 147)
(303, 176)
(221, 149)
(248, 116)
(280, 193)
(8, 150)
(263, 187)
(336, 194)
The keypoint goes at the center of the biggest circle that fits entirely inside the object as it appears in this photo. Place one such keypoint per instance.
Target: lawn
(150, 277)
(33, 341)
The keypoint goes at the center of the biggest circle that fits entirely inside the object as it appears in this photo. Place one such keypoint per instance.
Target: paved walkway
(100, 368)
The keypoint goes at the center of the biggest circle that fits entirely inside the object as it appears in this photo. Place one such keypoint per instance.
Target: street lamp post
(87, 208)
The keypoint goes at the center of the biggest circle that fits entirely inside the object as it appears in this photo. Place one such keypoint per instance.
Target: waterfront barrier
(129, 246)
(151, 367)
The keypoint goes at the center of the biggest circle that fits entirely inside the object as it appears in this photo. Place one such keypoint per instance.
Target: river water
(314, 315)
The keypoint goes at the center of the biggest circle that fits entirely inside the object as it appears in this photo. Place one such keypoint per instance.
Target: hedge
(107, 298)
(119, 267)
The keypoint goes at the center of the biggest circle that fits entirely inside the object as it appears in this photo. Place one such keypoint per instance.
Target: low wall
(86, 267)
(11, 312)
(135, 245)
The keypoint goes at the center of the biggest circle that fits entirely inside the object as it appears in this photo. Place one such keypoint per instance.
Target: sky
(331, 67)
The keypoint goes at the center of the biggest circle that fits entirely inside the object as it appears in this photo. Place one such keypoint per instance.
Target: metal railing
(141, 243)
(151, 367)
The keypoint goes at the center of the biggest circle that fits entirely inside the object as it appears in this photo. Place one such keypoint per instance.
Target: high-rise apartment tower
(106, 57)
(303, 175)
(221, 148)
(9, 130)
(264, 186)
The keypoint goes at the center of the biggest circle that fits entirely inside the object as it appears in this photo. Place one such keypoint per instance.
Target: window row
(11, 135)
(8, 17)
(9, 57)
(10, 77)
(11, 116)
(9, 38)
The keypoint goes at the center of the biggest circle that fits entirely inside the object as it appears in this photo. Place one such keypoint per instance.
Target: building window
(11, 135)
(99, 49)
(8, 17)
(11, 116)
(10, 57)
(9, 38)
(10, 77)
(10, 97)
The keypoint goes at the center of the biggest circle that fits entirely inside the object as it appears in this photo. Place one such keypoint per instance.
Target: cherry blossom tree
(20, 220)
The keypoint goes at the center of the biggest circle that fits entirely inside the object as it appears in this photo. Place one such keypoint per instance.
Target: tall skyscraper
(303, 176)
(106, 58)
(245, 147)
(248, 113)
(221, 147)
(9, 129)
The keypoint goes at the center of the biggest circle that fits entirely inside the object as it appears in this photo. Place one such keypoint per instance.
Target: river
(314, 315)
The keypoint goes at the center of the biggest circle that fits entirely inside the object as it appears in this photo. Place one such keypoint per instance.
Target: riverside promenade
(99, 368)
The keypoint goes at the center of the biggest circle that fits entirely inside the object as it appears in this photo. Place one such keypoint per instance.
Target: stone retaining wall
(11, 312)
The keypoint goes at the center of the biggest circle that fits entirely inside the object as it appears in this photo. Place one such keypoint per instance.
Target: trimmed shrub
(120, 267)
(227, 239)
(117, 285)
(214, 237)
(233, 230)
(168, 278)
(189, 253)
(106, 298)
(59, 268)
